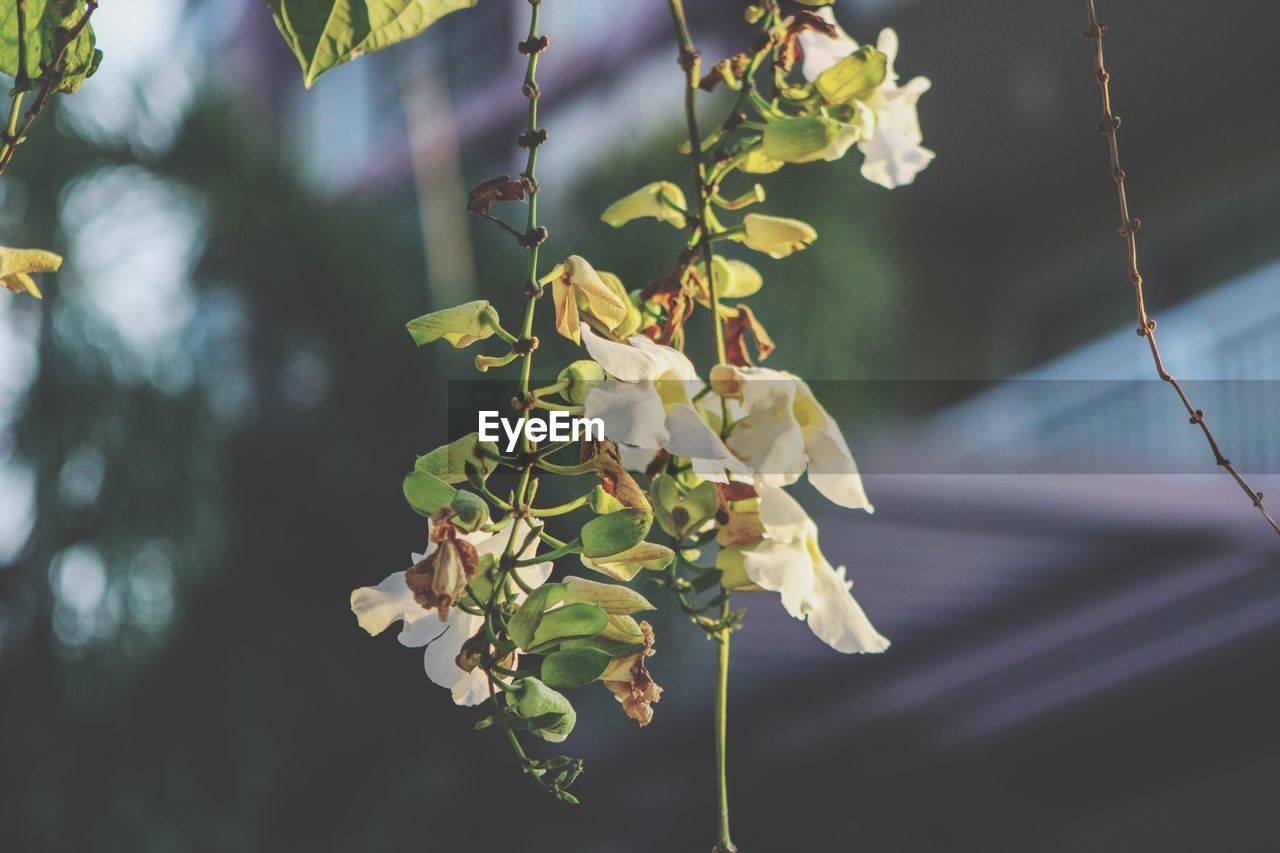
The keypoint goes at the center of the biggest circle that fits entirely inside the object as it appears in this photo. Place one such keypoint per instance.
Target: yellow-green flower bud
(757, 162)
(579, 377)
(662, 200)
(734, 279)
(853, 77)
(808, 138)
(603, 503)
(775, 236)
(733, 570)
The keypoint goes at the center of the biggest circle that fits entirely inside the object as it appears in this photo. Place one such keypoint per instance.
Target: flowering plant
(686, 488)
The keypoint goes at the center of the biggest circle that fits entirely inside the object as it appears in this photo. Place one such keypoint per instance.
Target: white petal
(472, 688)
(767, 436)
(833, 472)
(533, 576)
(836, 618)
(888, 45)
(675, 364)
(785, 568)
(782, 516)
(376, 607)
(693, 439)
(440, 658)
(822, 51)
(621, 361)
(632, 413)
(637, 458)
(893, 155)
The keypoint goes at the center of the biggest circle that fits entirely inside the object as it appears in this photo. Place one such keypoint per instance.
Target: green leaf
(324, 34)
(427, 494)
(525, 622)
(574, 667)
(44, 19)
(449, 463)
(572, 620)
(615, 532)
(609, 597)
(461, 325)
(854, 76)
(626, 564)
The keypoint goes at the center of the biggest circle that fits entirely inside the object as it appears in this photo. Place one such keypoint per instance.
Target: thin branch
(1129, 226)
(52, 75)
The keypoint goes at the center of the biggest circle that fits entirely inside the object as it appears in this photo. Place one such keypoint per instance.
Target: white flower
(789, 562)
(648, 403)
(377, 607)
(893, 151)
(780, 430)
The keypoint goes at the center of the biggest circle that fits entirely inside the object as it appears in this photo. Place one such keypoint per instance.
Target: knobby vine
(1129, 226)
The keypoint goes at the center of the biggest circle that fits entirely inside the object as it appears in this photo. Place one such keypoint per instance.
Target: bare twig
(1129, 226)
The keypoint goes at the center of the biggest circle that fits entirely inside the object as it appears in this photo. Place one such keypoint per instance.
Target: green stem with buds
(691, 62)
(519, 506)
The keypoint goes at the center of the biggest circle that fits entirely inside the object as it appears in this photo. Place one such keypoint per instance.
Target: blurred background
(204, 424)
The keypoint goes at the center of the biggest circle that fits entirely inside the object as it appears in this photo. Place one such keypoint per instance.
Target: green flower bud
(733, 571)
(470, 511)
(549, 713)
(853, 77)
(603, 503)
(678, 513)
(808, 138)
(581, 376)
(612, 598)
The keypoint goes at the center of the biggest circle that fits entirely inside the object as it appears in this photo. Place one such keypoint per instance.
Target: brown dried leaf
(502, 188)
(736, 328)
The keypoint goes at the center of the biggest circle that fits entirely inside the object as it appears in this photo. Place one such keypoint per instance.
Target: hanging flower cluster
(686, 488)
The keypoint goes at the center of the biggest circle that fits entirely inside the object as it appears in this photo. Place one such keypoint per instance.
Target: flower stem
(721, 637)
